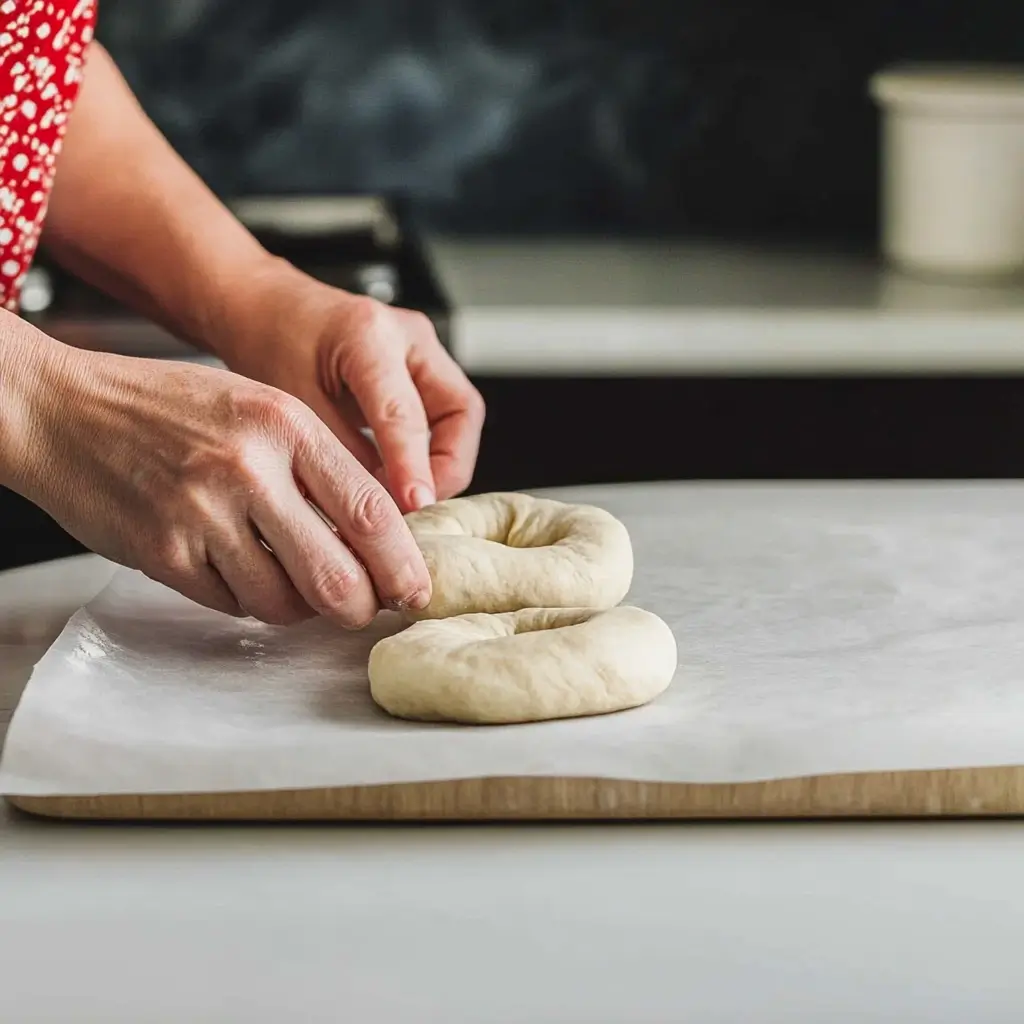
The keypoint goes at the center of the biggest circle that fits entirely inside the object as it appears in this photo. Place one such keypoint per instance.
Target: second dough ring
(526, 666)
(497, 553)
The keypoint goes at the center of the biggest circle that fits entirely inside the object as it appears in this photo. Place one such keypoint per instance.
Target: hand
(197, 477)
(358, 363)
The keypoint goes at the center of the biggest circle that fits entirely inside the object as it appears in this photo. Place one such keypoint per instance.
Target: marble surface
(700, 116)
(215, 925)
(576, 307)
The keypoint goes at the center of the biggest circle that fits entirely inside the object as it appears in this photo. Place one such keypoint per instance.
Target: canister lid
(992, 89)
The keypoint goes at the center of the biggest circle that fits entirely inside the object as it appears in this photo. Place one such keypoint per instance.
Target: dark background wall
(701, 117)
(724, 117)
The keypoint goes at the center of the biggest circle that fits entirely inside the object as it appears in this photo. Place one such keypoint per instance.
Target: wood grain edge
(961, 792)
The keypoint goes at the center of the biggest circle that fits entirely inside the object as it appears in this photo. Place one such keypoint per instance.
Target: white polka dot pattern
(42, 52)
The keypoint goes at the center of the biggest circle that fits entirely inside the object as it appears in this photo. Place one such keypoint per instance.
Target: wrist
(272, 306)
(31, 364)
(248, 306)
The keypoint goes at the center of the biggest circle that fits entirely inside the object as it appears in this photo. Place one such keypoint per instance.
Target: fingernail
(421, 496)
(411, 589)
(417, 602)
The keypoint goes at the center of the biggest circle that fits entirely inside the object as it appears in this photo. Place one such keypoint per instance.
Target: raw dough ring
(524, 666)
(504, 552)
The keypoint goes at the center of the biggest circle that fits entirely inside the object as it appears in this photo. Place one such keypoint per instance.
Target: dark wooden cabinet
(546, 432)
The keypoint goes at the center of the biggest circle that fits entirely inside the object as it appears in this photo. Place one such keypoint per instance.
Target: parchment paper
(820, 630)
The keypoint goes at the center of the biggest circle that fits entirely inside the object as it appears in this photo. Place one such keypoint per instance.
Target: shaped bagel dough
(503, 552)
(523, 666)
(522, 624)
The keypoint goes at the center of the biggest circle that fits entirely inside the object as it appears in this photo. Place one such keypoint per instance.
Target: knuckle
(420, 323)
(365, 311)
(253, 422)
(268, 409)
(282, 411)
(333, 587)
(364, 318)
(173, 554)
(195, 503)
(371, 510)
(216, 478)
(240, 459)
(476, 407)
(396, 414)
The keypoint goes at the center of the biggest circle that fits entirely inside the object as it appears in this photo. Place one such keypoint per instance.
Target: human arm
(130, 217)
(193, 475)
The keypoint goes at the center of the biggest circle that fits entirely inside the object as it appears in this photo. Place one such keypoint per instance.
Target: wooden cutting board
(35, 603)
(969, 792)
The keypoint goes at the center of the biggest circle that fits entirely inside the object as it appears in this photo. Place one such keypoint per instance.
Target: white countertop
(723, 923)
(551, 307)
(544, 307)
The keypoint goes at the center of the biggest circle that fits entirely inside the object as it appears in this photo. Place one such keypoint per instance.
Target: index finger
(367, 519)
(380, 382)
(455, 411)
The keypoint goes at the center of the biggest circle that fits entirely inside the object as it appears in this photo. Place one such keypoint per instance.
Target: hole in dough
(505, 552)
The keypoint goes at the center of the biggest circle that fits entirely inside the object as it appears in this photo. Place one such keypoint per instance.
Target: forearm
(128, 216)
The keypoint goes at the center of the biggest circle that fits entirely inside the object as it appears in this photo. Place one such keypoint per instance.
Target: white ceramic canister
(953, 169)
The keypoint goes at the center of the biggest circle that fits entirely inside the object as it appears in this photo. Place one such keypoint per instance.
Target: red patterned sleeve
(42, 52)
